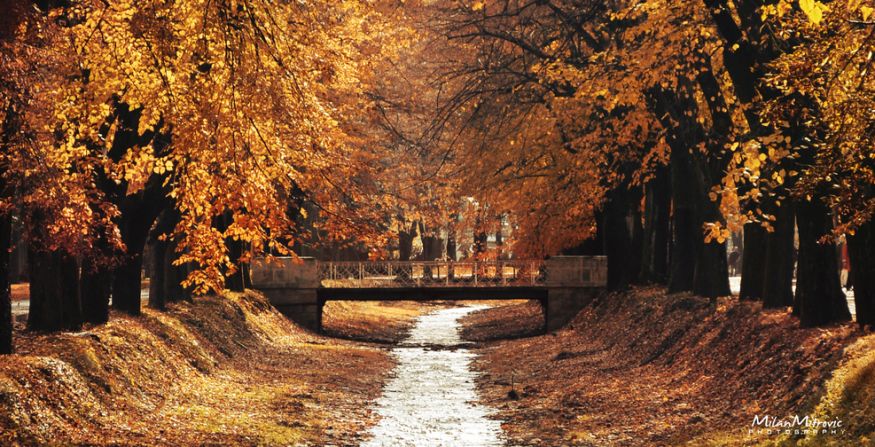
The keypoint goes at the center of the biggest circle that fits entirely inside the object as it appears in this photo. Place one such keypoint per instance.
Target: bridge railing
(370, 274)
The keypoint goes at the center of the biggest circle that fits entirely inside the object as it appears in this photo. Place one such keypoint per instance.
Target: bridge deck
(431, 293)
(443, 276)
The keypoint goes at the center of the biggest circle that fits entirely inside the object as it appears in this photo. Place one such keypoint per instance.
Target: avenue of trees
(650, 131)
(653, 131)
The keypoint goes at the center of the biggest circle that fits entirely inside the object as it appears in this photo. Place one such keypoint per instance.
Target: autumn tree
(206, 114)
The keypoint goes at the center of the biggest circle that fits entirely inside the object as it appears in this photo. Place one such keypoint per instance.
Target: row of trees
(652, 131)
(205, 127)
(648, 131)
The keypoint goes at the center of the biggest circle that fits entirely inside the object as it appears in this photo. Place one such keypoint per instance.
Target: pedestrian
(733, 262)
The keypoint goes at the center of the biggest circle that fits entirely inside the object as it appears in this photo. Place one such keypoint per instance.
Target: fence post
(474, 270)
(447, 274)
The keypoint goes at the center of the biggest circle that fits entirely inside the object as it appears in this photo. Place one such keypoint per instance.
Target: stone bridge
(299, 288)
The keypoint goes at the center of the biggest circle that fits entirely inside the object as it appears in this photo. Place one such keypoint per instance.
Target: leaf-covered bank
(226, 370)
(648, 368)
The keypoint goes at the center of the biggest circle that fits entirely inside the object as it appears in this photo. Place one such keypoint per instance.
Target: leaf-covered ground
(505, 320)
(375, 321)
(636, 369)
(221, 371)
(645, 368)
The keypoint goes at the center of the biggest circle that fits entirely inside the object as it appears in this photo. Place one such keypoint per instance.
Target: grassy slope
(222, 370)
(646, 368)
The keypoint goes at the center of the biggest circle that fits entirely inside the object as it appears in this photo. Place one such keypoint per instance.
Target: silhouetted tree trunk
(676, 109)
(157, 282)
(405, 244)
(138, 210)
(54, 292)
(96, 288)
(499, 240)
(861, 251)
(429, 244)
(451, 244)
(777, 290)
(134, 225)
(618, 238)
(236, 282)
(165, 286)
(6, 345)
(753, 260)
(819, 298)
(657, 227)
(685, 229)
(711, 277)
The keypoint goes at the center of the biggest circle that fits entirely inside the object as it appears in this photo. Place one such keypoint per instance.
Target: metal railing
(371, 274)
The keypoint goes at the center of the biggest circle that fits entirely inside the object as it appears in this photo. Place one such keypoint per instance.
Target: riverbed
(431, 399)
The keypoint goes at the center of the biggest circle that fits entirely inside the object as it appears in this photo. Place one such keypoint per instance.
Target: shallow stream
(431, 399)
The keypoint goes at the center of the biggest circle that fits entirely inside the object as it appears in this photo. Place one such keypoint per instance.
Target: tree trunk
(127, 282)
(174, 275)
(685, 229)
(70, 292)
(690, 204)
(499, 241)
(657, 228)
(451, 244)
(819, 298)
(96, 288)
(236, 282)
(158, 282)
(54, 292)
(636, 233)
(405, 244)
(711, 275)
(753, 260)
(861, 250)
(165, 285)
(6, 345)
(777, 290)
(428, 252)
(135, 223)
(618, 238)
